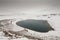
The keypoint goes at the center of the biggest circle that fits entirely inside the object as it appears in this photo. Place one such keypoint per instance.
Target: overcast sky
(8, 7)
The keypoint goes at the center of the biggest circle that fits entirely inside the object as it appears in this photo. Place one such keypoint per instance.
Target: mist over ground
(18, 7)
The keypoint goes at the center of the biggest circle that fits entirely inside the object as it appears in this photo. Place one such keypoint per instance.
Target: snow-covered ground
(53, 20)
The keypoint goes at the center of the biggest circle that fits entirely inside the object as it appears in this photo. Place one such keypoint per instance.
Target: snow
(54, 21)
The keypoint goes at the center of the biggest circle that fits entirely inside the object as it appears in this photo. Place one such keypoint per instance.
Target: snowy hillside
(53, 20)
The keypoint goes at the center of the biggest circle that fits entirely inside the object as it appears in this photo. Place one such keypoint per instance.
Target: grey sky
(8, 7)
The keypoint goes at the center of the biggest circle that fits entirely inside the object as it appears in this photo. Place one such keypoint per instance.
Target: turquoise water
(36, 25)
